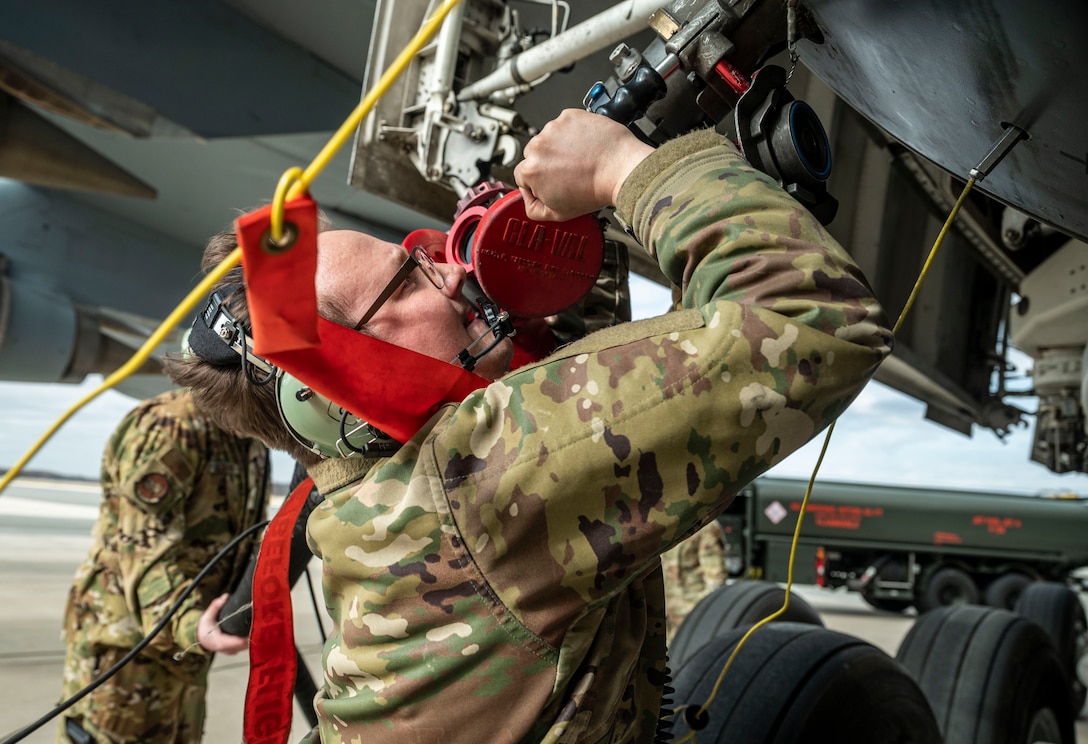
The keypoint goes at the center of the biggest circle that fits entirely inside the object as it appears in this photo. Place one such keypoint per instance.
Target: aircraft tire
(947, 586)
(1058, 609)
(990, 676)
(1004, 591)
(793, 683)
(732, 606)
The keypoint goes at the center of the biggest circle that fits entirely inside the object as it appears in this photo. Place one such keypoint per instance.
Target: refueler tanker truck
(901, 547)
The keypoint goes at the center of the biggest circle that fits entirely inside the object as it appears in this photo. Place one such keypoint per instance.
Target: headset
(325, 428)
(515, 266)
(314, 421)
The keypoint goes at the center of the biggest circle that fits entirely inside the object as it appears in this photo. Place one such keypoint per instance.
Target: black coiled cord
(663, 734)
(97, 682)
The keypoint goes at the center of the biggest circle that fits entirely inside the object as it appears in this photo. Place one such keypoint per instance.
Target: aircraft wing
(134, 131)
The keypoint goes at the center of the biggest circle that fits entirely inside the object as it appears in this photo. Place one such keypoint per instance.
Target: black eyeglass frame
(416, 257)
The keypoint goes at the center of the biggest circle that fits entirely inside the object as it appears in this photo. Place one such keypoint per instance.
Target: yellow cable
(292, 183)
(789, 576)
(819, 461)
(157, 337)
(275, 227)
(347, 129)
(933, 253)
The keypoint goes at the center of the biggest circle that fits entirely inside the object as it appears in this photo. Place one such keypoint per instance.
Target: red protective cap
(432, 241)
(533, 269)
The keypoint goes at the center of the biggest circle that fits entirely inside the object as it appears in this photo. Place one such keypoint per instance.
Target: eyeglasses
(418, 257)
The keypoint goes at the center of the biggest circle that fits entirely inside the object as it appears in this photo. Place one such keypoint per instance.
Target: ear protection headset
(313, 420)
(515, 266)
(325, 428)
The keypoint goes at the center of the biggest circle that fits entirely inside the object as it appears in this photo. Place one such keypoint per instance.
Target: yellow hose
(292, 184)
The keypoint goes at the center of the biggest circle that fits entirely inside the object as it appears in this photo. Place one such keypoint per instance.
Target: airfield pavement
(44, 535)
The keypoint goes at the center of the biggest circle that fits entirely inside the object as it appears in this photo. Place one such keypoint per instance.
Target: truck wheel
(991, 677)
(794, 683)
(1003, 591)
(887, 568)
(732, 606)
(1058, 609)
(888, 604)
(948, 586)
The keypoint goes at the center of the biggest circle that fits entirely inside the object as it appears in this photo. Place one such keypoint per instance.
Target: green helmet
(322, 426)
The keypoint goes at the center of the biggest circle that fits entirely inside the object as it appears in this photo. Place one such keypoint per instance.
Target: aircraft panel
(199, 64)
(946, 79)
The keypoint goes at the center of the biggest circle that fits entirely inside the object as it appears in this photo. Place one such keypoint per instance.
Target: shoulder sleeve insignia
(152, 488)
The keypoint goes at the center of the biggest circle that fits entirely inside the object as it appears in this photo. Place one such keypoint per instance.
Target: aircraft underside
(132, 139)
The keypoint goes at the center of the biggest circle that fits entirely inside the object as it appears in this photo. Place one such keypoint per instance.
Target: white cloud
(648, 299)
(28, 410)
(883, 438)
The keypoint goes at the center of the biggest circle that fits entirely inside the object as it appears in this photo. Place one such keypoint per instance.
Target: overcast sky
(882, 438)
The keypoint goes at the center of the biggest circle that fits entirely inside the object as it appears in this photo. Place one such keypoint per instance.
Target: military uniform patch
(152, 488)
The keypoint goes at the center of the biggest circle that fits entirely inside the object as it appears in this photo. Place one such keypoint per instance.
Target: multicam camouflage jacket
(498, 579)
(175, 490)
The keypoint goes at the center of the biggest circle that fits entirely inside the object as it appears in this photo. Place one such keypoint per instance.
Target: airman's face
(354, 268)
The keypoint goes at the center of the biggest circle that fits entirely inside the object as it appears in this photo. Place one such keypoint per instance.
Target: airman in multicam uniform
(498, 578)
(176, 489)
(692, 570)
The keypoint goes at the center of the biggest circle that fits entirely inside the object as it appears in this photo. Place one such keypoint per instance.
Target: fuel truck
(903, 546)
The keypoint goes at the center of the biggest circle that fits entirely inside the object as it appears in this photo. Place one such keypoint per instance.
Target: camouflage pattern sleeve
(166, 528)
(779, 257)
(637, 435)
(156, 461)
(507, 558)
(175, 490)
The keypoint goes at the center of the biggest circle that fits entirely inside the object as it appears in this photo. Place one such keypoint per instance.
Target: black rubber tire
(732, 606)
(887, 604)
(990, 676)
(947, 586)
(795, 683)
(1058, 610)
(1004, 591)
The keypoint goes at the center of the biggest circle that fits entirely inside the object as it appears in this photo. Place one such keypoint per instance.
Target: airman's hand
(576, 165)
(212, 637)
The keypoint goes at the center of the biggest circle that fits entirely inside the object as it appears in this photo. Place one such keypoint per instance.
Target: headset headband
(221, 339)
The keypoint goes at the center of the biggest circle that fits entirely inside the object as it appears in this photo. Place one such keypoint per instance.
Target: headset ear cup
(322, 426)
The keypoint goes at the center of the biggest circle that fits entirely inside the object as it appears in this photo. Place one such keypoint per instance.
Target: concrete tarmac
(44, 535)
(45, 532)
